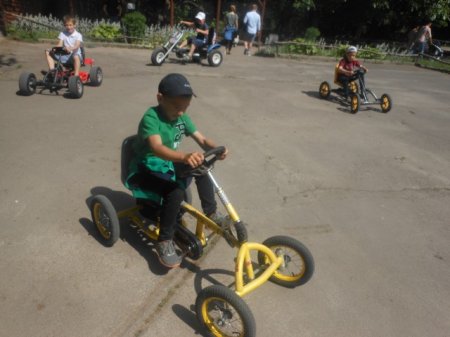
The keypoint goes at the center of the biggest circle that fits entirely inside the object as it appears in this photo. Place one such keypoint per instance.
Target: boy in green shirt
(152, 171)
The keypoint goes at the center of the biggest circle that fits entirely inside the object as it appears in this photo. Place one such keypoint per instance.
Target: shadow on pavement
(145, 247)
(188, 317)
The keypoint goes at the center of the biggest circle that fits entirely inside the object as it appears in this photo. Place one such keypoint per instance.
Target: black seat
(126, 156)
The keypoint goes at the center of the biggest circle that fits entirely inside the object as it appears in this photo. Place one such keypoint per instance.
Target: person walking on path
(231, 28)
(252, 24)
(424, 37)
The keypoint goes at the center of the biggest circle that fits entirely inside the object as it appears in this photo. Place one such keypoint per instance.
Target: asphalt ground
(368, 194)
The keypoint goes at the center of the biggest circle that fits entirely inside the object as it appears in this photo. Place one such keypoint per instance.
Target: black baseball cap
(175, 85)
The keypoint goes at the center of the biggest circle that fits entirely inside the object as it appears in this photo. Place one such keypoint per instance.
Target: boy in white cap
(201, 28)
(347, 66)
(153, 169)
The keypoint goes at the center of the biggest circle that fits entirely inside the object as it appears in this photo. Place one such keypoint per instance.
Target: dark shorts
(197, 42)
(250, 37)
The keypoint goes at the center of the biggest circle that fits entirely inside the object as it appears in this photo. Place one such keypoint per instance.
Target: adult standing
(112, 9)
(252, 23)
(231, 28)
(424, 37)
(412, 37)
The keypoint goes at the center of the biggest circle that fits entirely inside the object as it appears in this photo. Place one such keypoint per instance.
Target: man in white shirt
(252, 24)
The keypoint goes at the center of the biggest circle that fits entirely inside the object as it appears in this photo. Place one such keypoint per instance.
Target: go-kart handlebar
(187, 171)
(60, 51)
(217, 151)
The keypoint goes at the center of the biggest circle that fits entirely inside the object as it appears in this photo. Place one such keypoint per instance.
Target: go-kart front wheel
(354, 103)
(298, 263)
(386, 103)
(105, 219)
(324, 89)
(27, 84)
(223, 313)
(95, 76)
(215, 58)
(158, 56)
(76, 88)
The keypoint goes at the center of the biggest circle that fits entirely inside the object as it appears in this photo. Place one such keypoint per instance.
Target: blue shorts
(66, 59)
(197, 42)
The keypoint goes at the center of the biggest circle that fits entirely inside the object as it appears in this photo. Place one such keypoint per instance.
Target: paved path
(367, 193)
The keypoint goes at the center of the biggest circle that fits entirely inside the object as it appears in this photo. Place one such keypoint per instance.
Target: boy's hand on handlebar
(193, 159)
(223, 155)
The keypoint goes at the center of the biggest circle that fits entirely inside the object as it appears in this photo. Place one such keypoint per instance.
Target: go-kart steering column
(224, 199)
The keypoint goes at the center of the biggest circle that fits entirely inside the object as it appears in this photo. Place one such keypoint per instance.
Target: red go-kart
(62, 77)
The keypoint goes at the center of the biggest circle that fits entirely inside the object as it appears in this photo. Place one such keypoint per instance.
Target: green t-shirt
(172, 132)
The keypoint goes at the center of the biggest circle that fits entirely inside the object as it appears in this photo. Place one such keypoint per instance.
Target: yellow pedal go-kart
(220, 310)
(359, 94)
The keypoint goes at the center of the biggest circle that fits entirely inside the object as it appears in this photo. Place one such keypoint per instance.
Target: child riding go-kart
(221, 310)
(158, 173)
(349, 76)
(209, 51)
(62, 77)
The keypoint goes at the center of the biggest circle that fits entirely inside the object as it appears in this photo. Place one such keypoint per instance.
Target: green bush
(105, 31)
(303, 47)
(312, 34)
(134, 25)
(371, 53)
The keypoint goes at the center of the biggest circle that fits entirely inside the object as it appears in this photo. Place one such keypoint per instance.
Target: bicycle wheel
(223, 313)
(298, 263)
(324, 89)
(354, 103)
(386, 103)
(105, 218)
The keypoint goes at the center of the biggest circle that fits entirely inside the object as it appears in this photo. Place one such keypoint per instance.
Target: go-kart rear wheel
(76, 88)
(105, 219)
(158, 57)
(298, 263)
(223, 313)
(215, 58)
(324, 89)
(95, 76)
(386, 103)
(354, 103)
(27, 84)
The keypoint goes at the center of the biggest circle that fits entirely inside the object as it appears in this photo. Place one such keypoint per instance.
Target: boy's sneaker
(245, 51)
(220, 219)
(167, 254)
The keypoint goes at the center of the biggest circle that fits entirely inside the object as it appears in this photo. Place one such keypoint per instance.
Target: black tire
(385, 103)
(324, 89)
(76, 88)
(158, 56)
(215, 58)
(354, 103)
(95, 76)
(105, 218)
(298, 266)
(223, 313)
(27, 84)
